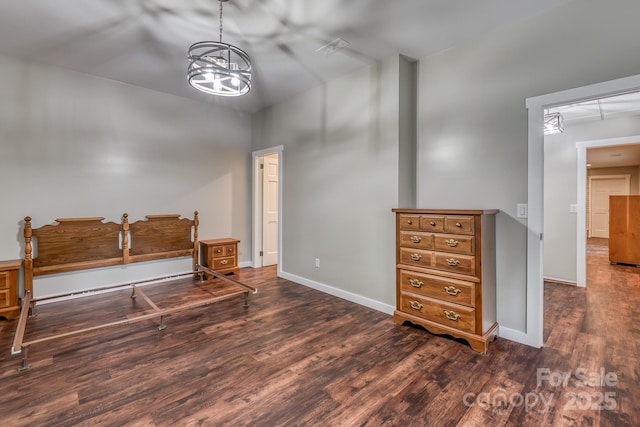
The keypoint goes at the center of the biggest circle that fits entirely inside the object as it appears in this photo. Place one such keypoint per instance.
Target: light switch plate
(573, 208)
(522, 210)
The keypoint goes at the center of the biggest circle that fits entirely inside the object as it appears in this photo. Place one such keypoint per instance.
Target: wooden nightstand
(220, 255)
(9, 307)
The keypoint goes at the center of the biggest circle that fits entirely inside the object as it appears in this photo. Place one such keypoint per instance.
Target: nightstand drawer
(5, 296)
(4, 279)
(9, 305)
(223, 263)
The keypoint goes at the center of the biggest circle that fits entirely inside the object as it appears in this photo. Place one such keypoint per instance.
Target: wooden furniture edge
(446, 211)
(479, 343)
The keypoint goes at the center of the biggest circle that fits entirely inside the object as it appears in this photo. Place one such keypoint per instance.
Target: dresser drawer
(409, 222)
(454, 243)
(416, 240)
(453, 315)
(417, 257)
(456, 291)
(455, 263)
(458, 224)
(434, 223)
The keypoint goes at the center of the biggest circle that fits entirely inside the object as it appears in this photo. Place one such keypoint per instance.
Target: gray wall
(472, 131)
(73, 145)
(340, 180)
(560, 189)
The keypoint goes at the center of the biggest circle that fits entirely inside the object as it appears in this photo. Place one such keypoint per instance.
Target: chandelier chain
(220, 21)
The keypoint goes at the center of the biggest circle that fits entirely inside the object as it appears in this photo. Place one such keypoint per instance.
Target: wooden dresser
(9, 307)
(624, 230)
(446, 279)
(220, 255)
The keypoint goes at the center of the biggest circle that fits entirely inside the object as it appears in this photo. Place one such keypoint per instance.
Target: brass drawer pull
(409, 222)
(415, 305)
(415, 283)
(458, 225)
(432, 223)
(415, 239)
(451, 315)
(416, 257)
(218, 251)
(230, 250)
(452, 243)
(452, 290)
(452, 261)
(224, 262)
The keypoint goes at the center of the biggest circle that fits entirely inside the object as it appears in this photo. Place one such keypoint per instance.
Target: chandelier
(219, 68)
(553, 123)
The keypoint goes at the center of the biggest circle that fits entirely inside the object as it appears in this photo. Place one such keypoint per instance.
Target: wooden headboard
(83, 243)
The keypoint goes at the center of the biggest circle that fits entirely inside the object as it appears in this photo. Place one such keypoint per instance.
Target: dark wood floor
(297, 357)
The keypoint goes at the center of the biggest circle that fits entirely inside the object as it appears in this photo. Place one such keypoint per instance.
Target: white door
(601, 189)
(270, 210)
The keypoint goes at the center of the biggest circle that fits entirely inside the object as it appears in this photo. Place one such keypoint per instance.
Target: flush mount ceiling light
(219, 68)
(553, 123)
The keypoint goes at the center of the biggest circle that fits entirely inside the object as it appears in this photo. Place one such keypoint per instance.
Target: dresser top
(447, 211)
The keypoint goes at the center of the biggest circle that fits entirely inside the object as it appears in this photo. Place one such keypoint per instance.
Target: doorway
(583, 217)
(267, 203)
(535, 197)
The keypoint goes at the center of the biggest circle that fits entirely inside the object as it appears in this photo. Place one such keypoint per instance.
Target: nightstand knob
(432, 223)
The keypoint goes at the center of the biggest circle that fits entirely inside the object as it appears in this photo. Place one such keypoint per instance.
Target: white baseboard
(349, 296)
(243, 264)
(513, 335)
(560, 281)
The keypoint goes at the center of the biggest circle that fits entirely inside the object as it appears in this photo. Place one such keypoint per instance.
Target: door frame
(581, 247)
(257, 208)
(535, 183)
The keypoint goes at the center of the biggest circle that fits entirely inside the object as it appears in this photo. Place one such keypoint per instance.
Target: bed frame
(84, 243)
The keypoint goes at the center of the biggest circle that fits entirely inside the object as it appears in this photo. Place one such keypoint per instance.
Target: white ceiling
(144, 42)
(627, 105)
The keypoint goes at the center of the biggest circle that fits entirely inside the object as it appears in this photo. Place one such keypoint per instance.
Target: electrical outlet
(317, 262)
(522, 210)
